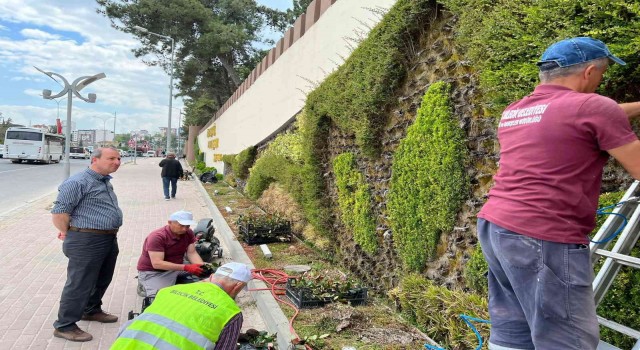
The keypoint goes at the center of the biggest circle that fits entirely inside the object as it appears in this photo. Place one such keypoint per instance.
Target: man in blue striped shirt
(87, 214)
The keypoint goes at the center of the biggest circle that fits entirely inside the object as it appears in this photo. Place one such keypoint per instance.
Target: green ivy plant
(503, 39)
(475, 272)
(354, 199)
(428, 181)
(356, 98)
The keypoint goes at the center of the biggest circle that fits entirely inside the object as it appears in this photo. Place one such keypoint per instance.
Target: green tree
(215, 40)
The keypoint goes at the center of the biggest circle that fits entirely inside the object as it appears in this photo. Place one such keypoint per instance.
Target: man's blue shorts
(540, 294)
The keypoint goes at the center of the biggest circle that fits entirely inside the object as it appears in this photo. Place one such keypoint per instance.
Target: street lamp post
(104, 127)
(146, 31)
(58, 103)
(178, 138)
(178, 133)
(70, 89)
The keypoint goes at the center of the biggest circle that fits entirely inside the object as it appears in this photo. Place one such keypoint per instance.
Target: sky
(68, 37)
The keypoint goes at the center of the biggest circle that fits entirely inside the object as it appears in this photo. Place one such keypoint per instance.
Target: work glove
(194, 269)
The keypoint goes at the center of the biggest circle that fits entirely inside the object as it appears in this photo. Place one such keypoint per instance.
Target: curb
(268, 307)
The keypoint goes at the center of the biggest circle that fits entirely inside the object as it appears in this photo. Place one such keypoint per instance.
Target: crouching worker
(162, 260)
(199, 315)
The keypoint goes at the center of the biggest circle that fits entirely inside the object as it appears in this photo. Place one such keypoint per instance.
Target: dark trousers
(540, 294)
(165, 185)
(92, 260)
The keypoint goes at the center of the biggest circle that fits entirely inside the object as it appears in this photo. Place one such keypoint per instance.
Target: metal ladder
(617, 256)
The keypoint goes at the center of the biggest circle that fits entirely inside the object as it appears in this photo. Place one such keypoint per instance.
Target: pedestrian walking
(171, 172)
(202, 315)
(87, 215)
(533, 229)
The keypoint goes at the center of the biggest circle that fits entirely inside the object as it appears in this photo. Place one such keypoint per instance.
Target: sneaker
(101, 317)
(173, 197)
(75, 334)
(166, 199)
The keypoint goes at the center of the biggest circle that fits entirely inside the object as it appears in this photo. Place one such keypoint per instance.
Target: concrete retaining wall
(276, 90)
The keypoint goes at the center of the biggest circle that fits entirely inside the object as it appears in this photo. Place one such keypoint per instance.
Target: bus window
(24, 135)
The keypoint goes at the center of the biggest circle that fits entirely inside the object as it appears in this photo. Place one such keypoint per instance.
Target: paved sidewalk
(33, 267)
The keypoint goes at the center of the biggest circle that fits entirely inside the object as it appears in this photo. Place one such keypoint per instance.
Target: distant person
(87, 215)
(533, 229)
(171, 172)
(199, 315)
(163, 251)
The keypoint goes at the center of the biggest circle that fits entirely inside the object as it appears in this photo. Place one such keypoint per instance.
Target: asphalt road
(23, 183)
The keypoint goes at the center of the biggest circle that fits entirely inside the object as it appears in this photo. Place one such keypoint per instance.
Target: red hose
(275, 279)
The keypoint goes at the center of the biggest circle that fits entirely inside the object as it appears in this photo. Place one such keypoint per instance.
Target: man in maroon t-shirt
(533, 229)
(163, 251)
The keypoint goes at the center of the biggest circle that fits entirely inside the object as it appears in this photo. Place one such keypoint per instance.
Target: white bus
(32, 145)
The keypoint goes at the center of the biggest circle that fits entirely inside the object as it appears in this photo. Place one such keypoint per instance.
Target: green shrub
(267, 169)
(503, 39)
(229, 160)
(287, 145)
(244, 160)
(277, 163)
(428, 180)
(196, 149)
(356, 98)
(436, 310)
(354, 199)
(475, 272)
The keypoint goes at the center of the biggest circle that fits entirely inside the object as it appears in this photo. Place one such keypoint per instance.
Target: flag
(59, 125)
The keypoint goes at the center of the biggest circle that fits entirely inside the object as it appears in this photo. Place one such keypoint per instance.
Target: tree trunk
(231, 71)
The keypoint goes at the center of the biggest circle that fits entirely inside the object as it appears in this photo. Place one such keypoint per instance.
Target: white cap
(237, 271)
(183, 217)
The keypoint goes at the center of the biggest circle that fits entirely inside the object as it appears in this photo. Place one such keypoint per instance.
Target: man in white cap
(199, 315)
(162, 258)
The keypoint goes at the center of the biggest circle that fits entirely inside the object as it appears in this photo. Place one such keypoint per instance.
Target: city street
(23, 183)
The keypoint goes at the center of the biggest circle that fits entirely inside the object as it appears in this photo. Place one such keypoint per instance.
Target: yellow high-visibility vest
(182, 317)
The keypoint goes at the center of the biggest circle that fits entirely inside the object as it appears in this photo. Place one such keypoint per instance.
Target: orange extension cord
(275, 279)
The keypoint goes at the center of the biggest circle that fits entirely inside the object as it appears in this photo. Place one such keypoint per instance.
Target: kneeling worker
(199, 315)
(162, 258)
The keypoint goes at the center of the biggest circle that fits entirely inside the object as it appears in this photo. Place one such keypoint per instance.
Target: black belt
(90, 230)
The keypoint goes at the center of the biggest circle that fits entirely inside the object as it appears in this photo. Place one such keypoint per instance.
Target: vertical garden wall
(395, 151)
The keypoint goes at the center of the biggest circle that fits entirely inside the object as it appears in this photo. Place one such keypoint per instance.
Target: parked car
(1, 151)
(151, 153)
(123, 153)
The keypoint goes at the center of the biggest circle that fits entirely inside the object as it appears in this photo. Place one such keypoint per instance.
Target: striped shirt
(90, 201)
(228, 338)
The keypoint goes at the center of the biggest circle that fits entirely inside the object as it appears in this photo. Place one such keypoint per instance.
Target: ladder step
(620, 328)
(620, 258)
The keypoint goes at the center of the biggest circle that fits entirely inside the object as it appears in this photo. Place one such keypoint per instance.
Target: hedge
(354, 199)
(428, 179)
